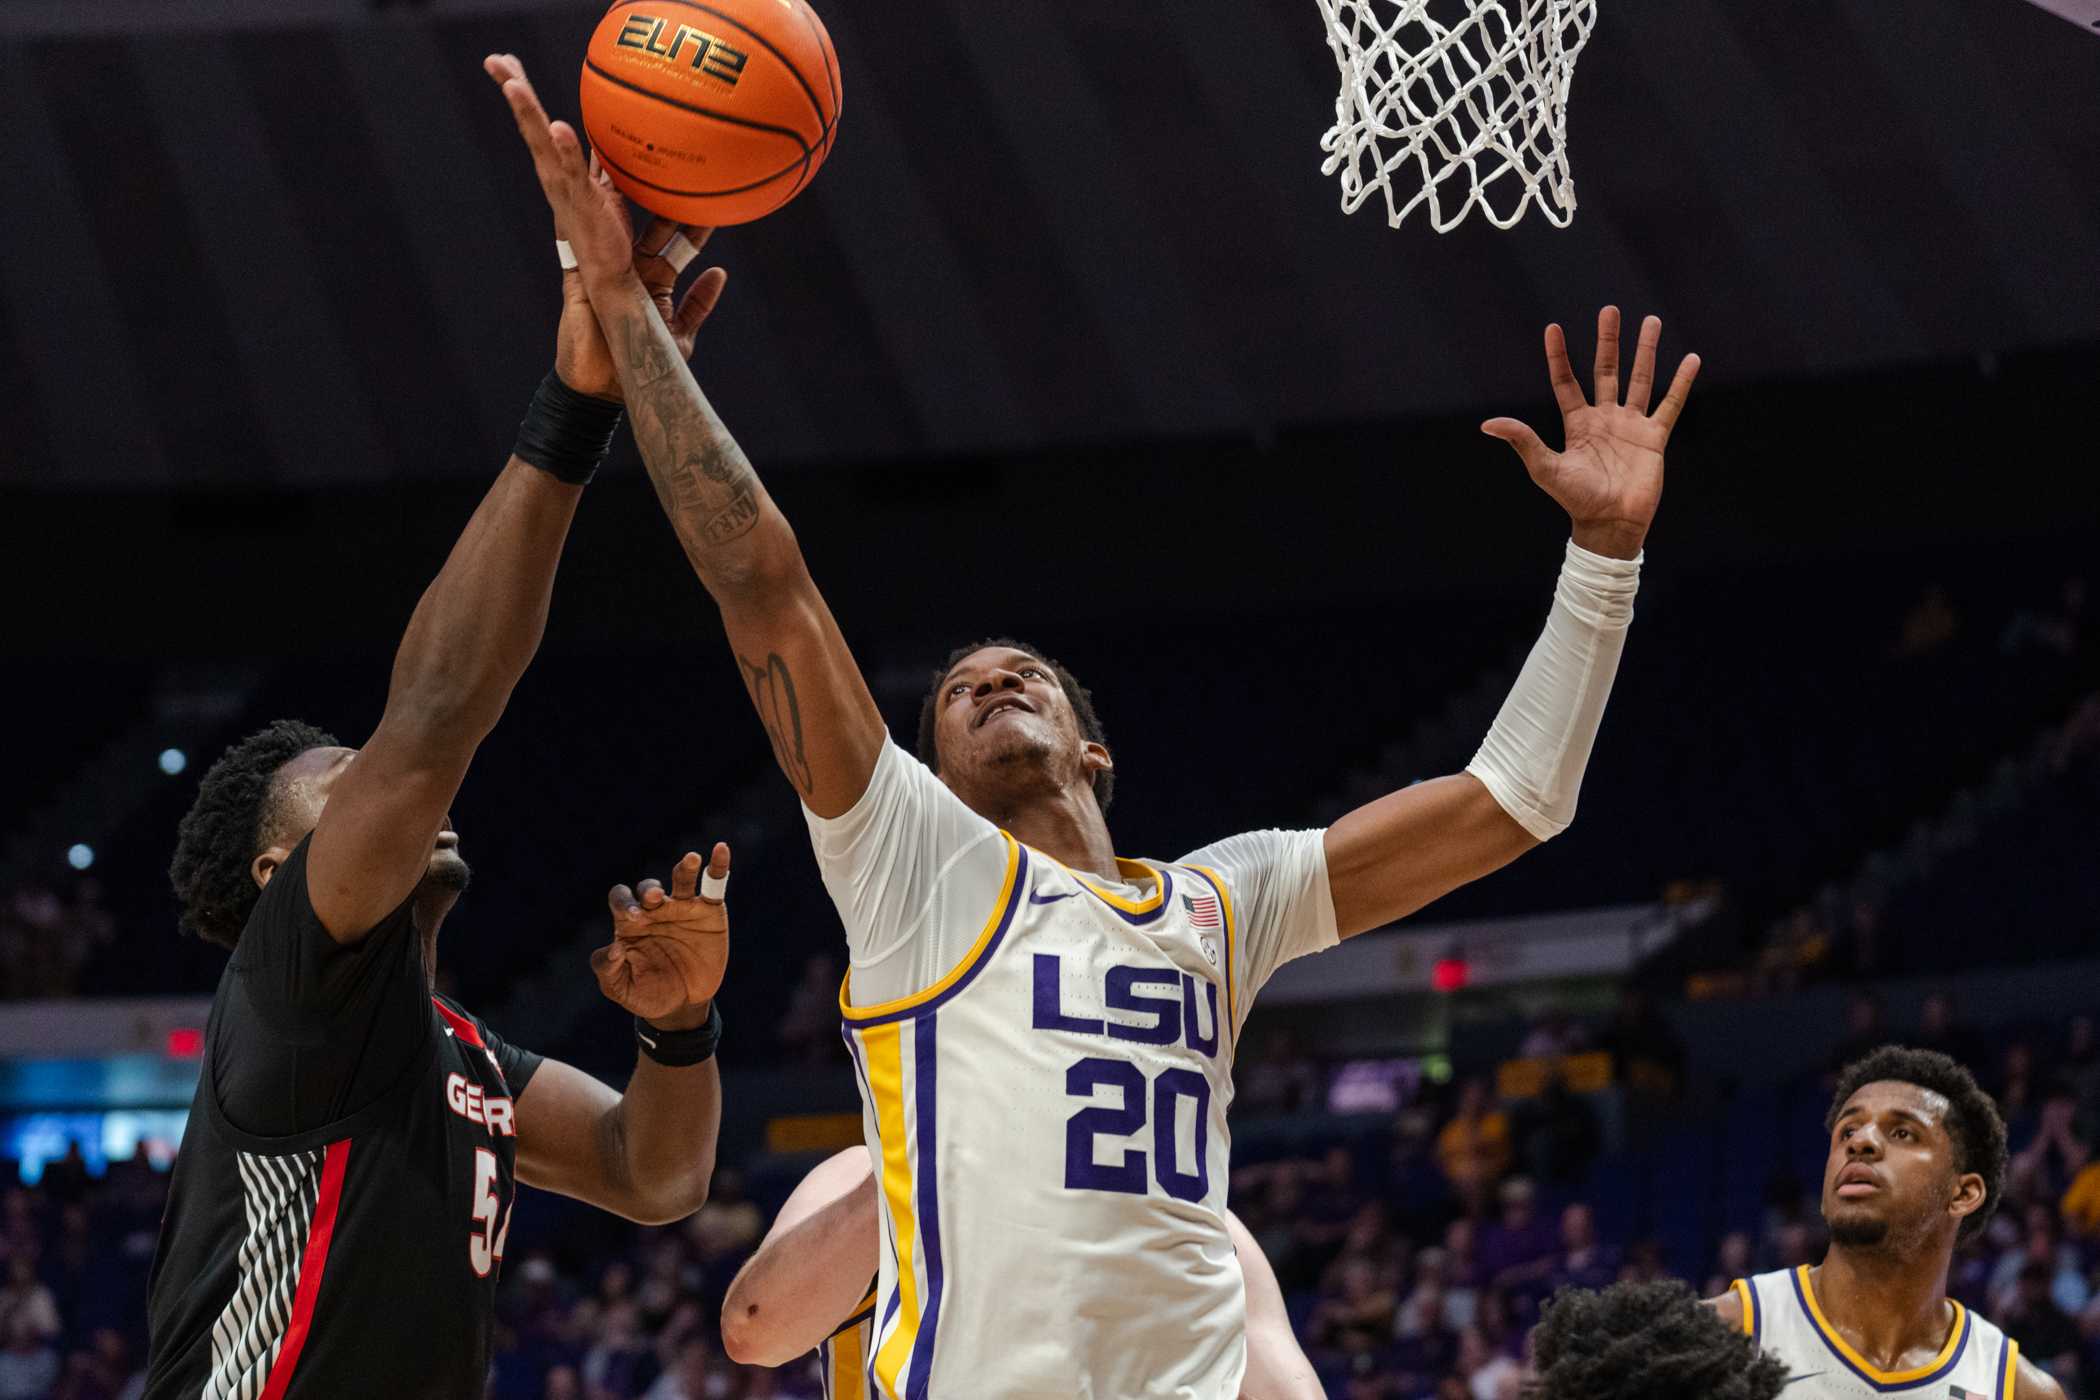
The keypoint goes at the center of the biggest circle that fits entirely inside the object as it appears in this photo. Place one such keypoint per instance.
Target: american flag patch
(1202, 910)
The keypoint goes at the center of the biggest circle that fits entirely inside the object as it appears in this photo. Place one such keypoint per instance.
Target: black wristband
(681, 1048)
(566, 434)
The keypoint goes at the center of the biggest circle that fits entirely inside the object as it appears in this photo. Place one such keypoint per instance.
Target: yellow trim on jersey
(969, 959)
(1232, 1010)
(1136, 868)
(883, 1046)
(1749, 1297)
(2012, 1369)
(1871, 1372)
(846, 1355)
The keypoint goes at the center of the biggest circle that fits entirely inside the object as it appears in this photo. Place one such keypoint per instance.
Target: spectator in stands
(2081, 1205)
(1517, 1237)
(2044, 1169)
(1939, 1030)
(1414, 1182)
(688, 1375)
(2041, 1245)
(620, 1362)
(29, 1365)
(103, 1371)
(1474, 1147)
(2047, 1335)
(1359, 1318)
(2018, 1094)
(1280, 1079)
(1557, 1131)
(1489, 1374)
(1864, 1033)
(563, 1384)
(25, 1302)
(809, 1032)
(1579, 1262)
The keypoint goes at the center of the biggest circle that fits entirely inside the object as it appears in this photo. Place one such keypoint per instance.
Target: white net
(1453, 104)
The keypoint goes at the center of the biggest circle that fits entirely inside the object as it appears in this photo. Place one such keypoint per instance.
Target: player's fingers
(685, 876)
(699, 302)
(607, 961)
(568, 151)
(650, 893)
(1518, 435)
(1641, 383)
(715, 886)
(1606, 388)
(620, 899)
(1680, 389)
(1567, 392)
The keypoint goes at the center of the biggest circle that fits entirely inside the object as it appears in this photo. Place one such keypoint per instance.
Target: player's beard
(1858, 1230)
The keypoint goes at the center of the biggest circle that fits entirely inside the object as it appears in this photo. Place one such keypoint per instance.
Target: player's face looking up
(1004, 728)
(1890, 1179)
(301, 792)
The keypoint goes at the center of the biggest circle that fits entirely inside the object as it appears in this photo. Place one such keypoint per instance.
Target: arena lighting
(185, 1042)
(80, 855)
(173, 761)
(1451, 973)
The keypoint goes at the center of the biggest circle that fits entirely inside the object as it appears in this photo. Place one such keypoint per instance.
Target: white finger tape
(679, 251)
(712, 885)
(565, 254)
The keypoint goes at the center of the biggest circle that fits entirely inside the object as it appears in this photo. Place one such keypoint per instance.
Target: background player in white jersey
(1916, 1162)
(801, 1290)
(1043, 1032)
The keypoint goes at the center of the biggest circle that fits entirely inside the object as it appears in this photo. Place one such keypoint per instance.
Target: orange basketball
(711, 111)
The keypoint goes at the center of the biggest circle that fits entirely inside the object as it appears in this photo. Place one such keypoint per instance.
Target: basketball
(711, 113)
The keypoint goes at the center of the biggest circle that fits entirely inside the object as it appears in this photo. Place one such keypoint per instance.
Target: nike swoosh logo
(1804, 1376)
(1051, 898)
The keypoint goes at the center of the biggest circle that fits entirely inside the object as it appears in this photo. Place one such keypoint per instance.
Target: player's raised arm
(824, 726)
(470, 638)
(1389, 858)
(812, 1267)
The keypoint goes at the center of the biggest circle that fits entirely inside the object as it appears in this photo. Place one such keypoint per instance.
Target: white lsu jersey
(1781, 1314)
(1048, 1122)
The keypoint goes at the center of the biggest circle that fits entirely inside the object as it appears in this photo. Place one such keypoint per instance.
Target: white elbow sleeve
(1533, 756)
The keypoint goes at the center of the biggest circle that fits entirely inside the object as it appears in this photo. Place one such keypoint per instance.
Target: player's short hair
(1080, 698)
(1646, 1341)
(1973, 1120)
(234, 817)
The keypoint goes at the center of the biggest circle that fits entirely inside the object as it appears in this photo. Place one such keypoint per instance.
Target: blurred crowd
(47, 936)
(1414, 1251)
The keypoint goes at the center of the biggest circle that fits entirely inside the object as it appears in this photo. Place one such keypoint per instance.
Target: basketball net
(1472, 107)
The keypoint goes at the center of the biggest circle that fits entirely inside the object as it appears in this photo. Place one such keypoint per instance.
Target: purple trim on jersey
(2004, 1346)
(929, 1204)
(1006, 921)
(1961, 1344)
(1223, 904)
(1757, 1315)
(860, 1073)
(1166, 898)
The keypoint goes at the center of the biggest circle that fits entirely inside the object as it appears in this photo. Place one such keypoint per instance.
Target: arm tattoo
(701, 476)
(772, 688)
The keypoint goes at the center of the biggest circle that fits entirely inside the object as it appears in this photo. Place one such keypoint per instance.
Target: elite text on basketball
(709, 54)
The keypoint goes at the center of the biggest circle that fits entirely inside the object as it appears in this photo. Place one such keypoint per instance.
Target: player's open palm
(1609, 474)
(669, 947)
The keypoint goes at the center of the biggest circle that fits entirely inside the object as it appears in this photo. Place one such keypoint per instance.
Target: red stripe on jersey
(311, 1268)
(462, 1029)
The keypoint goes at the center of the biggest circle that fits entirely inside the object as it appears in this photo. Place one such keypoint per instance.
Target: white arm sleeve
(1280, 901)
(913, 873)
(1533, 757)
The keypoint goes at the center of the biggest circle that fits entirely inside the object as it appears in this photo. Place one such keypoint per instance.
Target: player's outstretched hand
(1609, 475)
(589, 214)
(581, 356)
(669, 948)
